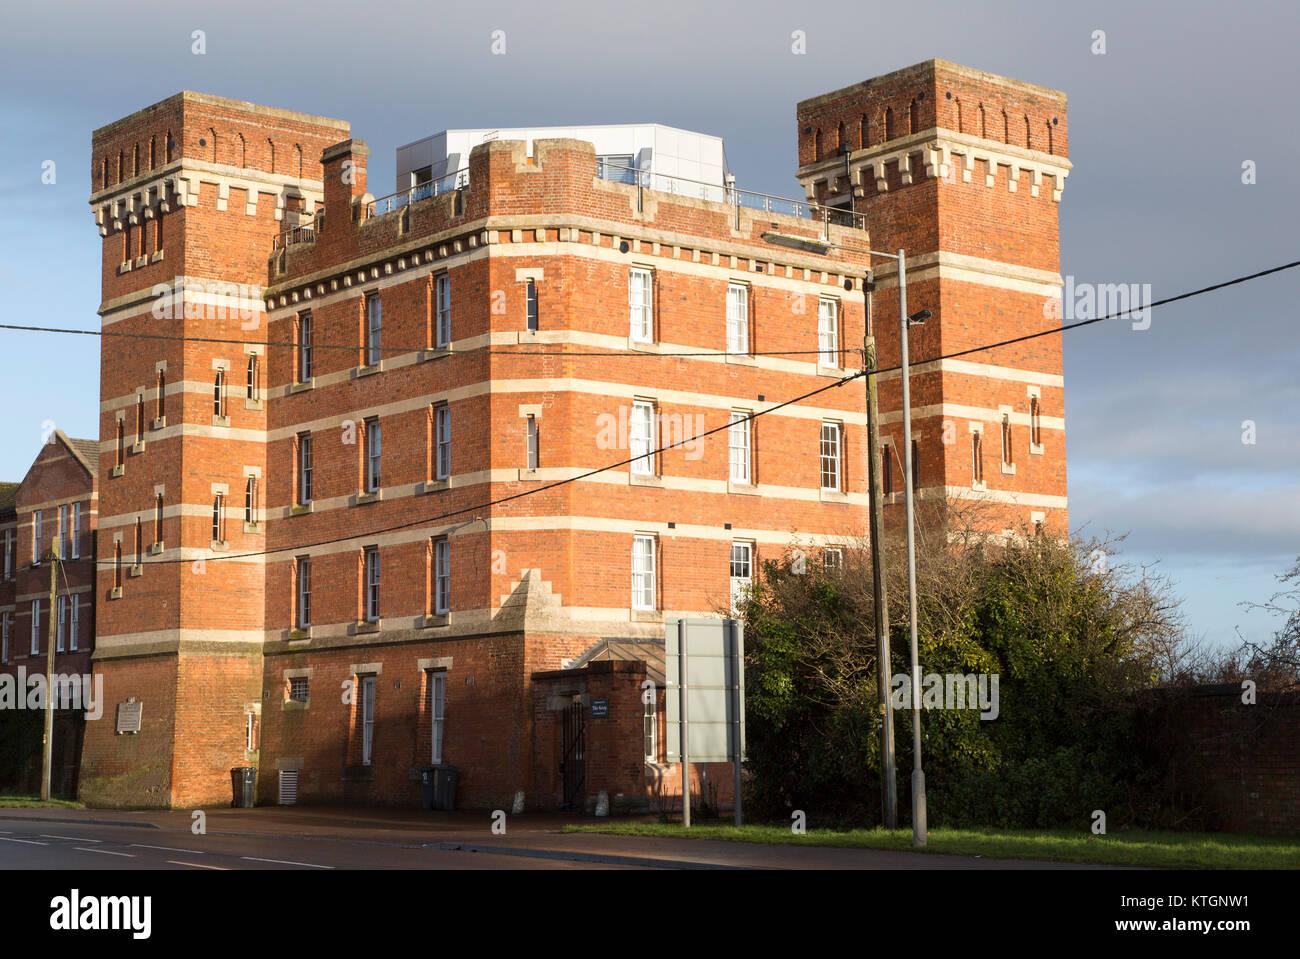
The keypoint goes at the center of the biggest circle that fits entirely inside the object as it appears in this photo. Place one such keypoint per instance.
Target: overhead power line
(298, 547)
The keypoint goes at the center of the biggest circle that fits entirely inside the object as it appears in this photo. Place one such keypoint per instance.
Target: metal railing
(304, 232)
(421, 191)
(731, 195)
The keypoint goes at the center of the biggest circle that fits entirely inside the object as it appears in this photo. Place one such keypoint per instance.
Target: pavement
(331, 837)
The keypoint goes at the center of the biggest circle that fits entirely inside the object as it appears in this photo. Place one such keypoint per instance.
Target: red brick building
(56, 503)
(359, 515)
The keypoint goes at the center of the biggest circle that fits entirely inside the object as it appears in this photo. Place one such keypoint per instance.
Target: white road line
(140, 845)
(30, 842)
(46, 835)
(285, 862)
(197, 865)
(106, 852)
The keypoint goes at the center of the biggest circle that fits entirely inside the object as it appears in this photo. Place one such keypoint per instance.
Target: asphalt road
(90, 846)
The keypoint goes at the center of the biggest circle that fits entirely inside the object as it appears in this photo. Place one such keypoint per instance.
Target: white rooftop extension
(650, 147)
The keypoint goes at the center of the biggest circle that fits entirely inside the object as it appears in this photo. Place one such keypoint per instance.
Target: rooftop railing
(421, 191)
(732, 196)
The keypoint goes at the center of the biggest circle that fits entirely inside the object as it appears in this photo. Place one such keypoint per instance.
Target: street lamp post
(918, 776)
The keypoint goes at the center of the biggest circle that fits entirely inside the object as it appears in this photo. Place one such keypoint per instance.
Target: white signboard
(711, 680)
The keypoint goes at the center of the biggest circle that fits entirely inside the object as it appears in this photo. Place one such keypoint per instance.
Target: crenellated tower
(189, 195)
(964, 170)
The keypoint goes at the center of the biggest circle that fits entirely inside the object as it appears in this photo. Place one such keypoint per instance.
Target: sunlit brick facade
(381, 530)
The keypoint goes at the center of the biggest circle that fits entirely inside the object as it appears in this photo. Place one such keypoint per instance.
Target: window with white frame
(4, 637)
(640, 309)
(530, 433)
(74, 621)
(219, 518)
(442, 321)
(368, 688)
(737, 318)
(158, 518)
(219, 394)
(437, 711)
(832, 558)
(442, 427)
(304, 469)
(37, 538)
(643, 572)
(61, 624)
(372, 584)
(9, 554)
(36, 626)
(299, 689)
(738, 447)
(742, 572)
(976, 459)
(1035, 424)
(305, 333)
(374, 449)
(441, 577)
(641, 436)
(65, 532)
(830, 457)
(1006, 439)
(530, 304)
(252, 385)
(304, 592)
(828, 332)
(650, 730)
(374, 328)
(75, 544)
(250, 500)
(252, 722)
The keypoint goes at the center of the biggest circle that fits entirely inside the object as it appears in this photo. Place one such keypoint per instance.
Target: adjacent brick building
(358, 515)
(55, 504)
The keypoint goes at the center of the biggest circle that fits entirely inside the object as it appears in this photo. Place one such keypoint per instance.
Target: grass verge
(1161, 850)
(35, 802)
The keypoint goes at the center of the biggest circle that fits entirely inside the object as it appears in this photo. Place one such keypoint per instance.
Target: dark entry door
(572, 765)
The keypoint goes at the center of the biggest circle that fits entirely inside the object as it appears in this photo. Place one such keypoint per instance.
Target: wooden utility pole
(47, 745)
(888, 778)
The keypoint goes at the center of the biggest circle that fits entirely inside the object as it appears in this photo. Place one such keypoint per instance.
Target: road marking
(46, 835)
(30, 842)
(106, 852)
(197, 865)
(140, 845)
(285, 862)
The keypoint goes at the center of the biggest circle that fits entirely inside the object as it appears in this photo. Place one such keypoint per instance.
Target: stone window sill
(219, 546)
(645, 479)
(155, 548)
(159, 422)
(367, 370)
(302, 385)
(980, 486)
(1009, 468)
(833, 496)
(365, 626)
(433, 620)
(302, 509)
(436, 353)
(745, 489)
(156, 255)
(432, 486)
(253, 528)
(742, 359)
(135, 571)
(250, 404)
(300, 633)
(137, 447)
(647, 616)
(1036, 449)
(361, 499)
(645, 346)
(293, 705)
(220, 420)
(119, 470)
(115, 592)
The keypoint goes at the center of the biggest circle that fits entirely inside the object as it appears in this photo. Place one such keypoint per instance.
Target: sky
(1161, 126)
